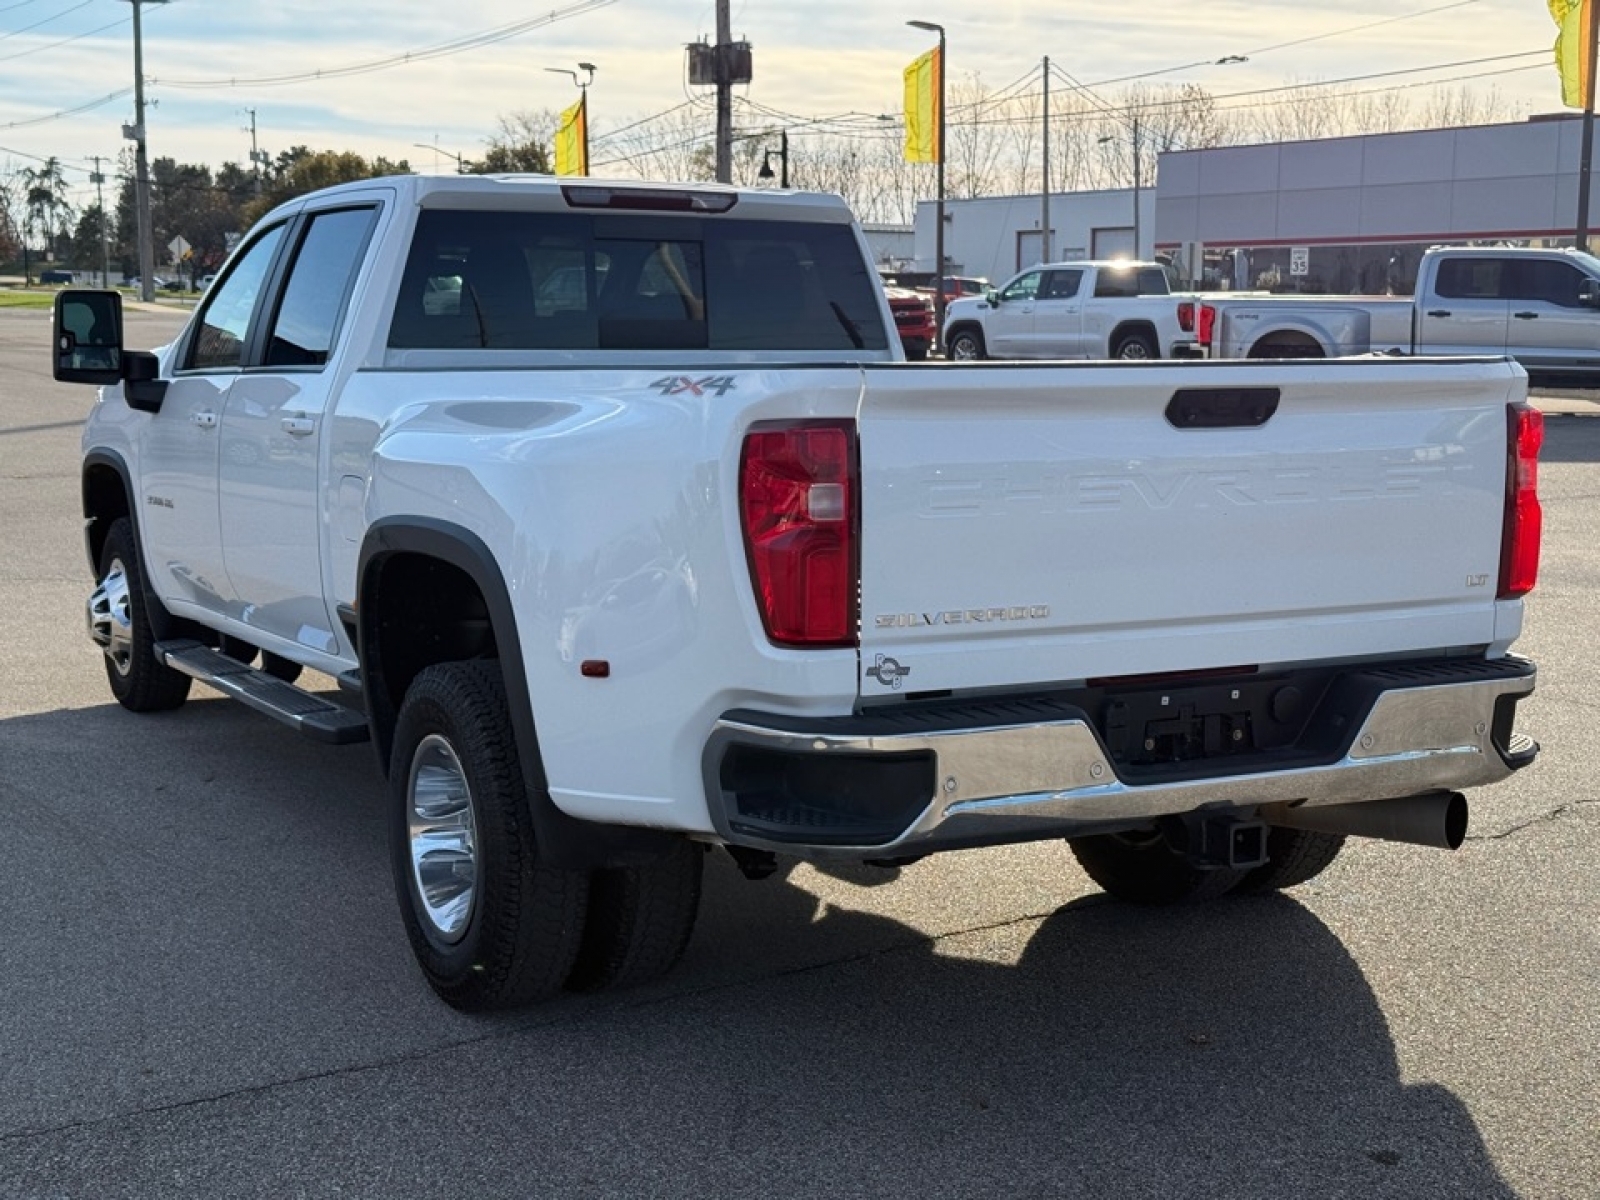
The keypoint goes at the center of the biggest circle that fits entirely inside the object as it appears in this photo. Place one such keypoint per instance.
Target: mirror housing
(86, 344)
(1589, 293)
(992, 295)
(144, 390)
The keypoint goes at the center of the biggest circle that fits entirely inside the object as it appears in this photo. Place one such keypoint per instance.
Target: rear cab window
(1144, 281)
(512, 280)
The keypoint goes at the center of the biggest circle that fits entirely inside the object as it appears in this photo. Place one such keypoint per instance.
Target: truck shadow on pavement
(225, 886)
(1231, 1050)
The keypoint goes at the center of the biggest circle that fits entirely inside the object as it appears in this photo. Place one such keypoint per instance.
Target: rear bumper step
(319, 719)
(915, 779)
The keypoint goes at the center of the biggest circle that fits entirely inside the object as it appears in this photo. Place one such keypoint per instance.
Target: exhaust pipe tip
(1455, 820)
(1436, 819)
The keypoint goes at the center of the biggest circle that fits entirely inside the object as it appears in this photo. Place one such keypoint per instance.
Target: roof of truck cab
(549, 193)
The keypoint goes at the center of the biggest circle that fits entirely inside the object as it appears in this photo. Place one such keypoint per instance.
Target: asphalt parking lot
(205, 990)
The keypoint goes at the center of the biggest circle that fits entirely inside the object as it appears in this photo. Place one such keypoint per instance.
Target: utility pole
(258, 158)
(99, 179)
(141, 162)
(724, 95)
(1044, 192)
(1137, 254)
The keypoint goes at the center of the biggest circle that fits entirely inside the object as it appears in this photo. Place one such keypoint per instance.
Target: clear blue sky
(812, 58)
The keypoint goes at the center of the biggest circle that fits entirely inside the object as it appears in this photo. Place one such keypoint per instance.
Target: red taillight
(797, 498)
(1186, 315)
(1519, 543)
(1206, 325)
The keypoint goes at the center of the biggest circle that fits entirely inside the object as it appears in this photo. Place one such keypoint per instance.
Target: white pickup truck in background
(1094, 309)
(1540, 307)
(627, 533)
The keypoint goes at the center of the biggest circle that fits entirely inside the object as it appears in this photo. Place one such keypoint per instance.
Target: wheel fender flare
(114, 462)
(1133, 328)
(563, 840)
(162, 623)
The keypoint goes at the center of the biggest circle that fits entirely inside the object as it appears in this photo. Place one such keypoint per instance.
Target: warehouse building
(1355, 214)
(1350, 214)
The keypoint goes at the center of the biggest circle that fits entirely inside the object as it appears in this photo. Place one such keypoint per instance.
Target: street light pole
(1044, 162)
(461, 163)
(1138, 254)
(938, 233)
(583, 89)
(783, 160)
(1580, 237)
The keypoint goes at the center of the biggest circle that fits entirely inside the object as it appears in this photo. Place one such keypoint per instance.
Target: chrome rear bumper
(1014, 780)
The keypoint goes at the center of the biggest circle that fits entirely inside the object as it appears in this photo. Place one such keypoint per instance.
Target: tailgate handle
(1222, 408)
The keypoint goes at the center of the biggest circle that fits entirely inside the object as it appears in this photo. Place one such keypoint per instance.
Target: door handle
(1438, 312)
(298, 426)
(1526, 316)
(206, 420)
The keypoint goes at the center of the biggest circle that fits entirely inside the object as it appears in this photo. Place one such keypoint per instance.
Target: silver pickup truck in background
(1540, 307)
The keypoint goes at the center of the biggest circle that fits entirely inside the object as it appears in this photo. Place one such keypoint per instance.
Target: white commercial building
(1349, 214)
(1354, 214)
(996, 236)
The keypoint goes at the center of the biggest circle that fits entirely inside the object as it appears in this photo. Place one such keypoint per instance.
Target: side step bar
(313, 716)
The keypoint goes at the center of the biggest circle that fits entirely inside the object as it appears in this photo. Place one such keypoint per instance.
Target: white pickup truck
(626, 533)
(1540, 307)
(1093, 309)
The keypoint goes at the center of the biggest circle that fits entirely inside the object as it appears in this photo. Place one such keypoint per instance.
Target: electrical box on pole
(711, 65)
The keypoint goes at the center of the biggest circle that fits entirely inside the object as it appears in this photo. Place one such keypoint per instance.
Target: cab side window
(1470, 279)
(1024, 287)
(1553, 282)
(319, 282)
(1061, 285)
(229, 307)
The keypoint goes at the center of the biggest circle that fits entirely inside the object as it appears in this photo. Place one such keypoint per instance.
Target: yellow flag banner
(924, 94)
(1575, 19)
(572, 139)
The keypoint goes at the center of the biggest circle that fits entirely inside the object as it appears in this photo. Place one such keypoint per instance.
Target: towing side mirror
(1589, 293)
(87, 345)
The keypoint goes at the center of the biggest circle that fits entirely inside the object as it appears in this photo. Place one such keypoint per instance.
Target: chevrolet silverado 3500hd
(627, 533)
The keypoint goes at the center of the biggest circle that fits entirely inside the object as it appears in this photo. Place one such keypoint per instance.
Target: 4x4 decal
(677, 385)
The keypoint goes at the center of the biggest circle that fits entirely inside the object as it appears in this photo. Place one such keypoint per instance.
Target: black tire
(1141, 868)
(1136, 346)
(279, 667)
(117, 611)
(1293, 856)
(521, 924)
(966, 345)
(640, 920)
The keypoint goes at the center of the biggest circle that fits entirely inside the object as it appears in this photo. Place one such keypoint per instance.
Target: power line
(47, 20)
(77, 37)
(460, 45)
(69, 112)
(1319, 37)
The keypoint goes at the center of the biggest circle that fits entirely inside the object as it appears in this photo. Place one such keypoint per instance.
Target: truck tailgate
(1027, 524)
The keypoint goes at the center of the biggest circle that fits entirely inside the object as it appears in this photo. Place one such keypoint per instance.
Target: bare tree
(48, 209)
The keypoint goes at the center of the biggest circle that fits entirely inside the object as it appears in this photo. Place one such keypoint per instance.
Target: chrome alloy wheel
(443, 837)
(110, 614)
